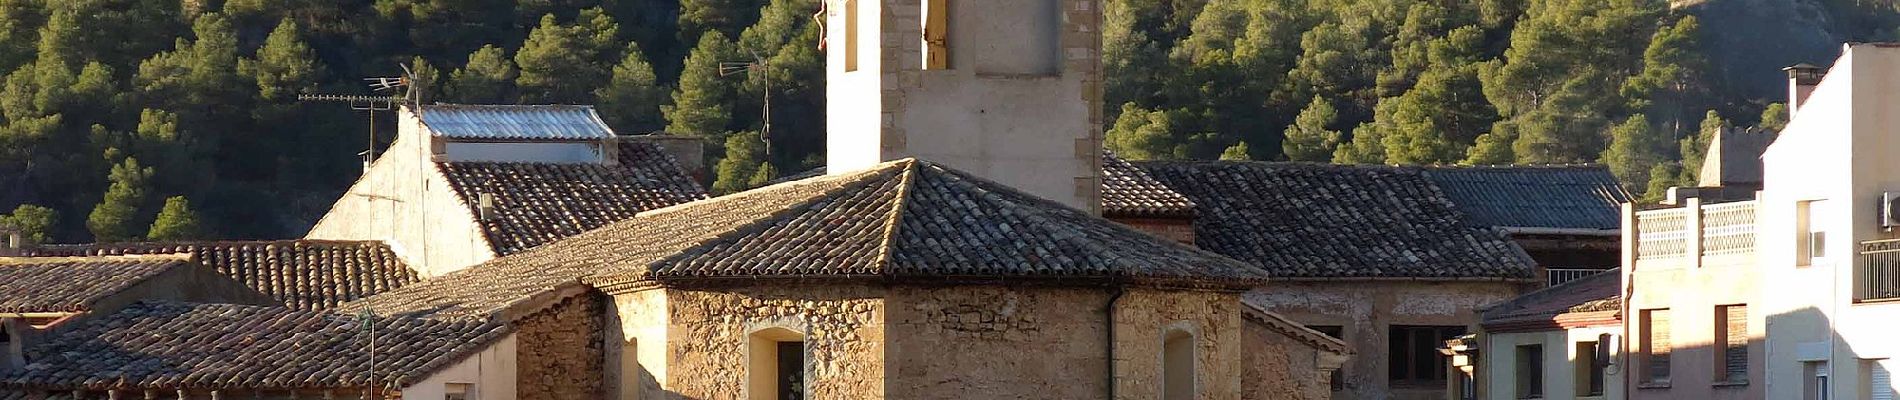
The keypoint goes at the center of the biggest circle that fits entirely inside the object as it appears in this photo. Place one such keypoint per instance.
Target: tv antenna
(373, 103)
(761, 68)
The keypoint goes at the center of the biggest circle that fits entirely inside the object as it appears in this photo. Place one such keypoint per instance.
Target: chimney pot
(1801, 81)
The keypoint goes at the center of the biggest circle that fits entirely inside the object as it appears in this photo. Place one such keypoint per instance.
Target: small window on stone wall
(1177, 365)
(775, 365)
(1008, 37)
(458, 391)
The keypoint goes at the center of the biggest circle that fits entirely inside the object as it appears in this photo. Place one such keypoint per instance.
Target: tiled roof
(72, 284)
(166, 345)
(1286, 326)
(537, 203)
(1129, 192)
(304, 274)
(905, 219)
(515, 122)
(1599, 292)
(1561, 197)
(1301, 220)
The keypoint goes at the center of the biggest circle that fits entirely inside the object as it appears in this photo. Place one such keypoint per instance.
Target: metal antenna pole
(761, 68)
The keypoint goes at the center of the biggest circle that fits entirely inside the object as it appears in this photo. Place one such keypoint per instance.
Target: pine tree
(1694, 148)
(1669, 83)
(1661, 178)
(488, 78)
(1491, 149)
(1237, 152)
(117, 218)
(426, 79)
(734, 173)
(726, 17)
(176, 222)
(1775, 117)
(285, 65)
(34, 223)
(765, 174)
(1140, 134)
(701, 104)
(631, 100)
(17, 37)
(565, 63)
(1634, 149)
(1307, 139)
(1366, 147)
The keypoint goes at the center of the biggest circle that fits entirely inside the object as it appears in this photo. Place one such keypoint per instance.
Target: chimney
(689, 152)
(485, 205)
(1801, 80)
(16, 244)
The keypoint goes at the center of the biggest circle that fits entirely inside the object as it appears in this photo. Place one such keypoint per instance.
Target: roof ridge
(896, 219)
(169, 256)
(863, 178)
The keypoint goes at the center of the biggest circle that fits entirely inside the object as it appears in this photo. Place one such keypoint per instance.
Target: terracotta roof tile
(304, 274)
(903, 219)
(181, 345)
(1301, 220)
(1599, 292)
(537, 203)
(72, 284)
(1128, 191)
(1564, 197)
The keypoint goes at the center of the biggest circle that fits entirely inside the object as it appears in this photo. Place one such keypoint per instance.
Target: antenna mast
(373, 103)
(762, 68)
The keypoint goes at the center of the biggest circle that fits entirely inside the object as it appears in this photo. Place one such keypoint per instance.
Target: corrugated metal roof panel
(515, 122)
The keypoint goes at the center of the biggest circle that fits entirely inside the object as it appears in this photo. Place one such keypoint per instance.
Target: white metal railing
(1704, 230)
(1558, 276)
(1877, 275)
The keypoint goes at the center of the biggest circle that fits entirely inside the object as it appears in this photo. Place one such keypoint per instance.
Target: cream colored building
(463, 184)
(1555, 343)
(1826, 240)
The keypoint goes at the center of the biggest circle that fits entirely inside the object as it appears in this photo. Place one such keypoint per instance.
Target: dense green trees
(203, 93)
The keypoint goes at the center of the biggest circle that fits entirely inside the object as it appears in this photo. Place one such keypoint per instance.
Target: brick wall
(559, 351)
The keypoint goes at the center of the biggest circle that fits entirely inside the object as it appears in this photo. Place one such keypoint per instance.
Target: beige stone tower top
(1007, 89)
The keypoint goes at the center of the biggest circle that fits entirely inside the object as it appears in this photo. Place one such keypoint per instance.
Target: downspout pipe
(1108, 314)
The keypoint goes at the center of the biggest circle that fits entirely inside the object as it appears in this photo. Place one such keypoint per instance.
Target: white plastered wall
(490, 375)
(1559, 363)
(405, 201)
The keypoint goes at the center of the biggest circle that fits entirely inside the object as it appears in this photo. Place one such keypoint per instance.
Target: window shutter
(1880, 387)
(937, 34)
(1657, 325)
(1735, 349)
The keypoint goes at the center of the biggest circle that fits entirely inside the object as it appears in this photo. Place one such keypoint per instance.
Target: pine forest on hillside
(178, 119)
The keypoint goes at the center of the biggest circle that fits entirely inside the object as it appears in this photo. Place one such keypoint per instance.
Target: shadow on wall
(1813, 360)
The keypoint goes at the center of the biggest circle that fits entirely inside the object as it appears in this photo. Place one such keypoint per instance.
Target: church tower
(1007, 89)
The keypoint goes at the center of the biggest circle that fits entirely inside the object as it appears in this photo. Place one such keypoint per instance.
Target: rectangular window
(457, 391)
(1732, 355)
(1589, 370)
(1656, 346)
(851, 35)
(775, 365)
(1811, 238)
(1413, 354)
(791, 370)
(1336, 332)
(936, 34)
(1530, 371)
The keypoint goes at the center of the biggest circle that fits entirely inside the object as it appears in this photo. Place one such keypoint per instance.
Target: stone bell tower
(1007, 89)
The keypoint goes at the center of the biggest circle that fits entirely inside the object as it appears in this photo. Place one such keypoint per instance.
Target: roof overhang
(1531, 230)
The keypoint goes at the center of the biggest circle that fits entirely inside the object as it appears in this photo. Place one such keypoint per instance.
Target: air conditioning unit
(1889, 209)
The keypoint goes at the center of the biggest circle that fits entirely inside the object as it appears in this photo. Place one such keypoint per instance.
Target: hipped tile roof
(1128, 191)
(906, 219)
(537, 203)
(303, 274)
(514, 122)
(1302, 220)
(167, 345)
(1563, 197)
(30, 285)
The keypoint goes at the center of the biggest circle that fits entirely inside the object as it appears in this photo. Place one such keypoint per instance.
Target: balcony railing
(1558, 276)
(1694, 231)
(1877, 275)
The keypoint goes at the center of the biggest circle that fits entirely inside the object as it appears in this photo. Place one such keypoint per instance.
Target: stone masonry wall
(559, 351)
(1366, 310)
(843, 327)
(1277, 367)
(1142, 319)
(996, 342)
